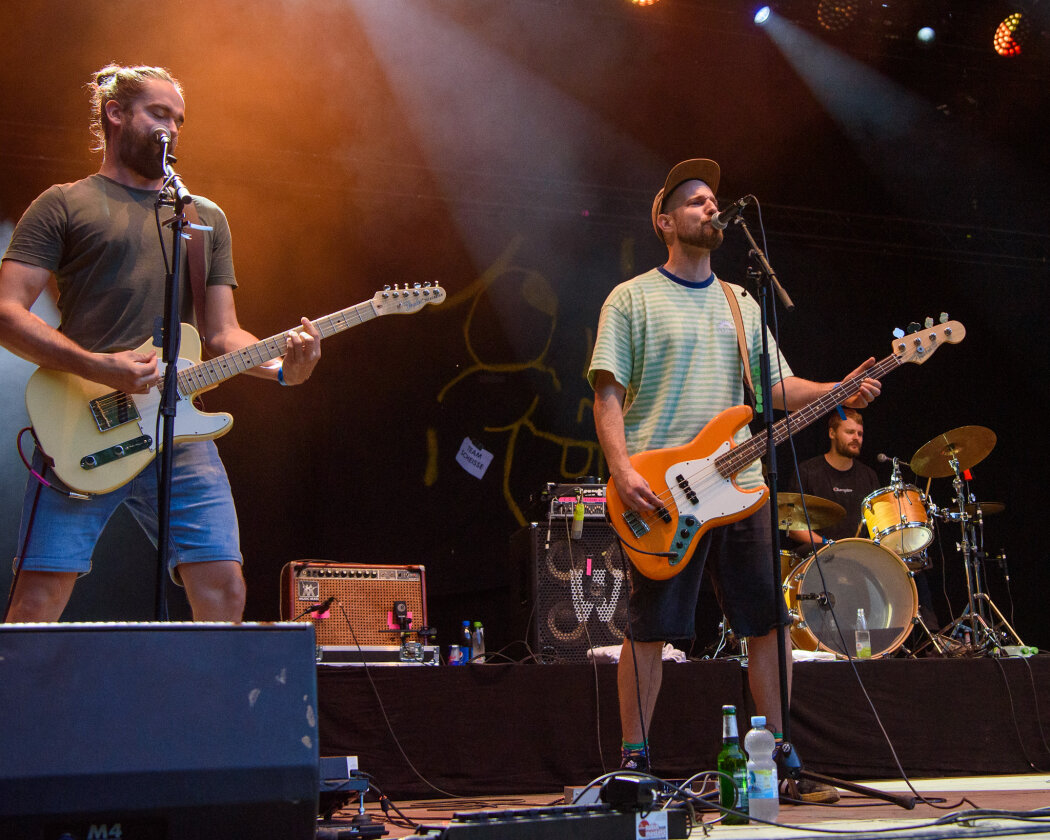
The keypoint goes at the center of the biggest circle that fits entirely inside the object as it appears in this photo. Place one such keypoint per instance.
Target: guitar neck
(205, 375)
(755, 447)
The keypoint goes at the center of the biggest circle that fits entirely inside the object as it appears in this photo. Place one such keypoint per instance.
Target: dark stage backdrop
(510, 150)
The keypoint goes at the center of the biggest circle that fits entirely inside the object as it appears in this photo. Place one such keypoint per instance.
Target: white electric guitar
(100, 439)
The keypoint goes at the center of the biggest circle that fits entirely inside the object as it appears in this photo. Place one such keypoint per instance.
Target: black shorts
(739, 557)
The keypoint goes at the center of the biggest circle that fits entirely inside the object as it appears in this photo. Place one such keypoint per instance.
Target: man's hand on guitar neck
(302, 353)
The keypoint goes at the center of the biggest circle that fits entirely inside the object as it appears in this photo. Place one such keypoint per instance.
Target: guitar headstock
(919, 345)
(401, 301)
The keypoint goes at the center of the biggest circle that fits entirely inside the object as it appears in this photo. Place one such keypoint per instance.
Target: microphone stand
(787, 756)
(171, 339)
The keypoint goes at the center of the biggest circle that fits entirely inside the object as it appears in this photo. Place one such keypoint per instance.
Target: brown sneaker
(806, 791)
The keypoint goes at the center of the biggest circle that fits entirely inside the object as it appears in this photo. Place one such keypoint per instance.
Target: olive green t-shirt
(101, 241)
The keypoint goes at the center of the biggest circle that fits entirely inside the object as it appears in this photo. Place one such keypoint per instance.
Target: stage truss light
(836, 15)
(762, 15)
(925, 36)
(643, 2)
(1010, 35)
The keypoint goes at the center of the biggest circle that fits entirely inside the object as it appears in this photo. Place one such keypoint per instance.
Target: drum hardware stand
(980, 635)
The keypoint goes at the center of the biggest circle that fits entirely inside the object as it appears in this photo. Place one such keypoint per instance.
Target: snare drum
(851, 574)
(897, 518)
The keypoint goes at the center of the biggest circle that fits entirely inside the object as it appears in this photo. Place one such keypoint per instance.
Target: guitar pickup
(113, 409)
(635, 523)
(689, 494)
(664, 514)
(116, 452)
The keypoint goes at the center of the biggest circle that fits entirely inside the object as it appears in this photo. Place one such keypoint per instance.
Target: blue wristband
(280, 376)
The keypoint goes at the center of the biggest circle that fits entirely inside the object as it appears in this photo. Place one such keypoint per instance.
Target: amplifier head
(370, 601)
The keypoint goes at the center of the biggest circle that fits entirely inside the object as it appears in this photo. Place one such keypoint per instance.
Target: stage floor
(853, 815)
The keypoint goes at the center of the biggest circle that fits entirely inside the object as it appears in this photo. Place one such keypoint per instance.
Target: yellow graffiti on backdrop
(537, 292)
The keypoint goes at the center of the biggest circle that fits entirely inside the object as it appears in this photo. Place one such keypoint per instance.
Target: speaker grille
(364, 597)
(577, 590)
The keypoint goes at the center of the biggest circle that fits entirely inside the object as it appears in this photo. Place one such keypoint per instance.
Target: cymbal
(970, 445)
(823, 513)
(987, 508)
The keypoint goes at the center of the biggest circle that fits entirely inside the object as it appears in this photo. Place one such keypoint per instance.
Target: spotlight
(762, 15)
(836, 15)
(643, 2)
(925, 36)
(1010, 35)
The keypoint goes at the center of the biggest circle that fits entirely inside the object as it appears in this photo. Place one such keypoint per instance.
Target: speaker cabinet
(158, 731)
(573, 593)
(365, 596)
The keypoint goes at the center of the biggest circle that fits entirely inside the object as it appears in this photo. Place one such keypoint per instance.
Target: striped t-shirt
(672, 344)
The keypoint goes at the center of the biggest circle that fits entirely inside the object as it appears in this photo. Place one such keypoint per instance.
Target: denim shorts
(203, 522)
(739, 558)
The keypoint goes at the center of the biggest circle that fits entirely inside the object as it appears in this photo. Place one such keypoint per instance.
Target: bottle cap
(758, 721)
(729, 710)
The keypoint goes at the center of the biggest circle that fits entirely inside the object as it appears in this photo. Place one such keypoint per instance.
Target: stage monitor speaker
(364, 596)
(158, 732)
(573, 595)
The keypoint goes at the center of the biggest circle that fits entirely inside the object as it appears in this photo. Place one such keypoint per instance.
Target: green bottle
(732, 762)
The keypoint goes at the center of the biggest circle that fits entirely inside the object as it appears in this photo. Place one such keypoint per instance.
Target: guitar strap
(198, 270)
(741, 343)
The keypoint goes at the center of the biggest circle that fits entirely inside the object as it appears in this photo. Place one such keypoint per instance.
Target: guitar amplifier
(571, 593)
(367, 600)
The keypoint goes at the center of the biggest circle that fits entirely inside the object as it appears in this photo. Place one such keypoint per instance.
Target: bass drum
(825, 592)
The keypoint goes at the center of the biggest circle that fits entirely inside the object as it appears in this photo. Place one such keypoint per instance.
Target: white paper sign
(475, 460)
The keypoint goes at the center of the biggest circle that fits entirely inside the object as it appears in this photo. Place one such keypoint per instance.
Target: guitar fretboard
(207, 374)
(755, 447)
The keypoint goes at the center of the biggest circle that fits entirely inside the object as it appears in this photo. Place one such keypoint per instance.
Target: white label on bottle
(653, 826)
(760, 784)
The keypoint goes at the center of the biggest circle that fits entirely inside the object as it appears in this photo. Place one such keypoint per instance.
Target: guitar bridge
(113, 409)
(635, 523)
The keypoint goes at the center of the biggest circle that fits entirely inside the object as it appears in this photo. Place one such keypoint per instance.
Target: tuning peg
(898, 332)
(942, 318)
(928, 322)
(913, 327)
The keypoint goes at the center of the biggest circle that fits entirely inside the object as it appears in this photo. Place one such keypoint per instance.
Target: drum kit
(825, 590)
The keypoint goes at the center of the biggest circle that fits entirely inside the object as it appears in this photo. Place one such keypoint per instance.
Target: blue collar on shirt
(689, 284)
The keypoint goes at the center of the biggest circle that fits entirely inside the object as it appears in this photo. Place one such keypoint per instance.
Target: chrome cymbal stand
(981, 633)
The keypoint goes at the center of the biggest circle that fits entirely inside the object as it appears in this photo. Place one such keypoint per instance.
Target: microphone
(882, 458)
(318, 610)
(721, 219)
(161, 137)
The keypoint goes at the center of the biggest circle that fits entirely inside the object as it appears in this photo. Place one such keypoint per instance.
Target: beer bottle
(733, 763)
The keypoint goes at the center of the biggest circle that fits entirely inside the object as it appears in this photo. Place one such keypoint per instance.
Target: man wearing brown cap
(665, 362)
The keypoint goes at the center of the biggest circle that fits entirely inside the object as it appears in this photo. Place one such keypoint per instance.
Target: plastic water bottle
(732, 762)
(863, 636)
(477, 642)
(466, 641)
(763, 789)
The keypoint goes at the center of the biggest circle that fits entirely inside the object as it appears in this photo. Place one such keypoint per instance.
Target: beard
(140, 153)
(847, 450)
(704, 236)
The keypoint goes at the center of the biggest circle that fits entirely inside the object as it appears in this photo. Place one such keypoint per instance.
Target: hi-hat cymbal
(823, 513)
(969, 444)
(987, 508)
